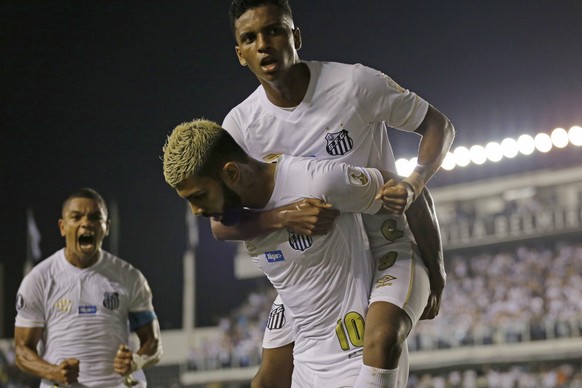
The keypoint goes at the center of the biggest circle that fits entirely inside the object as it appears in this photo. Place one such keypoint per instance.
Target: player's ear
(230, 173)
(107, 227)
(62, 227)
(241, 60)
(297, 38)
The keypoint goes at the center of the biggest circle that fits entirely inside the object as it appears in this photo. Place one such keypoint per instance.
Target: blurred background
(89, 91)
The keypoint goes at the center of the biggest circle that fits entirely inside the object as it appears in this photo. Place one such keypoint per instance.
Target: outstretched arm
(423, 222)
(27, 359)
(309, 216)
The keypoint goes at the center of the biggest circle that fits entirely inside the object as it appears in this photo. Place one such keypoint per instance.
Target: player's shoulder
(244, 115)
(47, 268)
(325, 67)
(247, 106)
(343, 75)
(118, 265)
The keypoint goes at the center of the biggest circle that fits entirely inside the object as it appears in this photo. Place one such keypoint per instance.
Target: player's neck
(81, 260)
(290, 90)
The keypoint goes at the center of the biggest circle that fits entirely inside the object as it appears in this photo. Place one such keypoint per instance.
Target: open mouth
(269, 64)
(86, 241)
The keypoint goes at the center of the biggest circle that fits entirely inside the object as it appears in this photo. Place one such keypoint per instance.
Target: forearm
(253, 224)
(424, 226)
(30, 362)
(308, 216)
(437, 137)
(150, 351)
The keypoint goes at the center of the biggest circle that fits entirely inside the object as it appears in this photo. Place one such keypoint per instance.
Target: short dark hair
(89, 193)
(238, 7)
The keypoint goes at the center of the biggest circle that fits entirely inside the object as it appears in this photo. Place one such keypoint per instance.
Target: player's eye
(247, 38)
(197, 197)
(275, 30)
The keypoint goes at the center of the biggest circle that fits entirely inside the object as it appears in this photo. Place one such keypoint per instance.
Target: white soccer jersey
(344, 116)
(324, 281)
(84, 312)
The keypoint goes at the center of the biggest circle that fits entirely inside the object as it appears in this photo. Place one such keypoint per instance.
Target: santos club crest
(338, 143)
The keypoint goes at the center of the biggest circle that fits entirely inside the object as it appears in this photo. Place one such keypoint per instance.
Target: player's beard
(232, 208)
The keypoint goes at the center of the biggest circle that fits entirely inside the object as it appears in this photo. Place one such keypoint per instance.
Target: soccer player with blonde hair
(323, 281)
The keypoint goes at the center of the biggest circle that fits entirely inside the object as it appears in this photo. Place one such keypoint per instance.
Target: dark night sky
(90, 89)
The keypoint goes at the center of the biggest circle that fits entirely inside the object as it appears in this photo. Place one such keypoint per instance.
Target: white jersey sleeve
(141, 294)
(380, 98)
(348, 188)
(236, 121)
(30, 309)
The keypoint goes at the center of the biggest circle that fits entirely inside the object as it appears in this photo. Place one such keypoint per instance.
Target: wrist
(414, 181)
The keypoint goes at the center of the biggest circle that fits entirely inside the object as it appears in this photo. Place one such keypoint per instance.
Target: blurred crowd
(517, 294)
(238, 343)
(533, 375)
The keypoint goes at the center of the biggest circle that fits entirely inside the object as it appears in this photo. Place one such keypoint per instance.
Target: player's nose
(196, 210)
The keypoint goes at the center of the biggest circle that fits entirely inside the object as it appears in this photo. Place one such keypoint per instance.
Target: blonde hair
(198, 147)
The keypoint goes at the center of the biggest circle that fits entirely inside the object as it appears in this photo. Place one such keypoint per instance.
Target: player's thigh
(400, 279)
(276, 368)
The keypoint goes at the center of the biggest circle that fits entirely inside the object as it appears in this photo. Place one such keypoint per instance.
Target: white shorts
(332, 361)
(279, 328)
(340, 376)
(401, 278)
(323, 362)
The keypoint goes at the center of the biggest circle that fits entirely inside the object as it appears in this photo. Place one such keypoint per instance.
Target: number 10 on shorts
(350, 329)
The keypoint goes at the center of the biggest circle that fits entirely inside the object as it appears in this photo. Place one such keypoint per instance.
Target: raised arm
(309, 216)
(437, 136)
(27, 359)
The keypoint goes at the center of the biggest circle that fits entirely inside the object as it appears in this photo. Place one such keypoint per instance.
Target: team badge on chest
(111, 300)
(338, 143)
(299, 242)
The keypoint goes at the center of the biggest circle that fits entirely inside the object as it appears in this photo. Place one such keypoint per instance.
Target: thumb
(72, 361)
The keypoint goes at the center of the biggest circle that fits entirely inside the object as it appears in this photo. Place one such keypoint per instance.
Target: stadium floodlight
(449, 162)
(575, 135)
(559, 137)
(543, 142)
(526, 144)
(404, 167)
(494, 151)
(462, 156)
(509, 148)
(478, 155)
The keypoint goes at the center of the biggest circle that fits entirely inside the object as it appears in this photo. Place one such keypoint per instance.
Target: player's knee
(384, 338)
